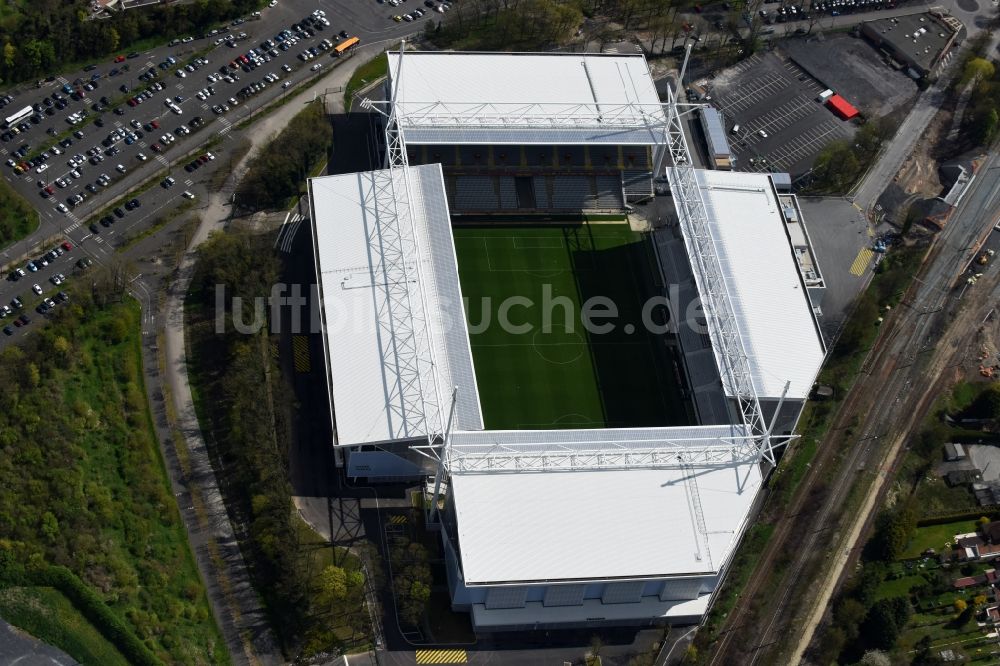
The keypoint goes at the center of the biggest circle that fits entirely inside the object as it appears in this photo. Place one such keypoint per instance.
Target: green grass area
(937, 625)
(47, 615)
(546, 370)
(374, 69)
(898, 587)
(92, 492)
(17, 217)
(936, 536)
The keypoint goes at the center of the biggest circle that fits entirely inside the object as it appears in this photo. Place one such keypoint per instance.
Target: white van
(736, 129)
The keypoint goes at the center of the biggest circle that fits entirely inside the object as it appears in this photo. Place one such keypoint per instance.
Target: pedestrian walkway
(442, 657)
(860, 264)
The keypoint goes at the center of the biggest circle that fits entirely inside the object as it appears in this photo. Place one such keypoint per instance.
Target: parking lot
(853, 68)
(773, 102)
(79, 139)
(140, 190)
(145, 111)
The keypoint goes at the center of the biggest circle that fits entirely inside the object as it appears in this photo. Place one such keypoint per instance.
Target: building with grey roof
(920, 42)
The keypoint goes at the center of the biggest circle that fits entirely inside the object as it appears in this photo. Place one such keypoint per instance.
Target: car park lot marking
(749, 94)
(803, 76)
(441, 657)
(861, 262)
(779, 118)
(746, 64)
(800, 147)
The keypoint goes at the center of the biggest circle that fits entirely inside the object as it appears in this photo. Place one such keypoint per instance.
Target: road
(896, 386)
(17, 647)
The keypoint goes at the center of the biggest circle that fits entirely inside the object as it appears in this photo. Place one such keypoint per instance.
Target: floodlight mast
(716, 301)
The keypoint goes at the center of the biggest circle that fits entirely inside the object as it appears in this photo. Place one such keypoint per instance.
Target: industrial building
(922, 43)
(556, 527)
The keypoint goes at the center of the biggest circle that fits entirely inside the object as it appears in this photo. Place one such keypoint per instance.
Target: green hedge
(991, 512)
(86, 600)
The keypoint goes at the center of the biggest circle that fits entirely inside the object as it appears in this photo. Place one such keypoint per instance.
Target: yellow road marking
(442, 657)
(397, 520)
(861, 262)
(300, 351)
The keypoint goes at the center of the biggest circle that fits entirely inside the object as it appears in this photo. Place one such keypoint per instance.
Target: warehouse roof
(365, 353)
(715, 133)
(463, 98)
(600, 524)
(920, 37)
(777, 327)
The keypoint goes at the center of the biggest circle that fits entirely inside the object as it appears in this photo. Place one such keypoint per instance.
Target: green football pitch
(546, 370)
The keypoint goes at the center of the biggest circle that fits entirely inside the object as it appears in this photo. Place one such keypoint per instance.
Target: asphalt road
(17, 647)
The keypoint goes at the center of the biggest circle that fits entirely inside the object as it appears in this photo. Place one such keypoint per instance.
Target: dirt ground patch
(918, 178)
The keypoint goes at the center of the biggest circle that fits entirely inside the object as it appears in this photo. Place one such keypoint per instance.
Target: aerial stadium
(593, 401)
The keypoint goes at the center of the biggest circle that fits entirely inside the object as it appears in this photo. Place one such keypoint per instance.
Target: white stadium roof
(600, 524)
(485, 98)
(347, 244)
(775, 319)
(595, 448)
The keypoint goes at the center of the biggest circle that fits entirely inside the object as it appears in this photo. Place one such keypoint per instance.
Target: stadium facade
(559, 527)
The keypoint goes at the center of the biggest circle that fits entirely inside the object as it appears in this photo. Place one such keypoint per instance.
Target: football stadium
(591, 400)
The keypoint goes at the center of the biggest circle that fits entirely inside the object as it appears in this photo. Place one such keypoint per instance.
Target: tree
(50, 526)
(959, 605)
(9, 53)
(892, 534)
(977, 70)
(62, 350)
(984, 127)
(979, 599)
(333, 584)
(885, 621)
(849, 614)
(965, 617)
(836, 167)
(876, 658)
(596, 645)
